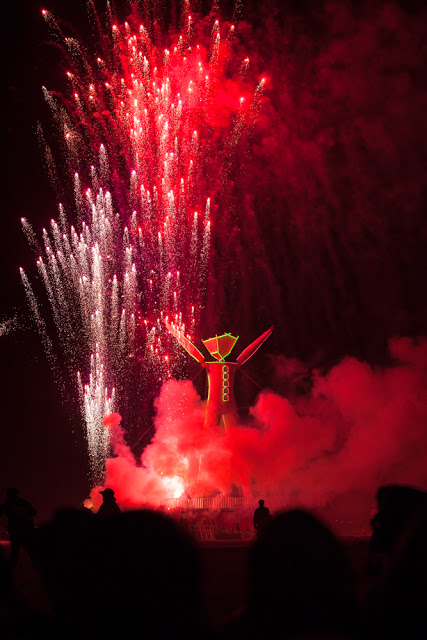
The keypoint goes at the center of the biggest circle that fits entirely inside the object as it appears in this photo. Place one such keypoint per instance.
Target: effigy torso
(221, 400)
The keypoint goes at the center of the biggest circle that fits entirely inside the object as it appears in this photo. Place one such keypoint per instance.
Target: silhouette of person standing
(109, 506)
(262, 519)
(20, 523)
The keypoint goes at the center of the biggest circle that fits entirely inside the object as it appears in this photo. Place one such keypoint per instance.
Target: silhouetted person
(6, 600)
(136, 573)
(109, 506)
(397, 505)
(300, 583)
(262, 518)
(20, 523)
(397, 605)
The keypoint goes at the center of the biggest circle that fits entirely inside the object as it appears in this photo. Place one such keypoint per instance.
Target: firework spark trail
(7, 326)
(141, 136)
(40, 323)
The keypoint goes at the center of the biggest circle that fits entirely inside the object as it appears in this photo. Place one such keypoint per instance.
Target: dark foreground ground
(224, 576)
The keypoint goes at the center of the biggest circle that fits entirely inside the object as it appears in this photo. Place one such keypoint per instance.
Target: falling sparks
(145, 150)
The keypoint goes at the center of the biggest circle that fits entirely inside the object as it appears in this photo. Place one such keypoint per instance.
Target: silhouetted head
(261, 503)
(400, 498)
(300, 579)
(399, 608)
(12, 493)
(382, 495)
(108, 494)
(112, 576)
(397, 507)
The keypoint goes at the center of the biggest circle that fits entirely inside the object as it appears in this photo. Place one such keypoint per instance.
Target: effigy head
(220, 346)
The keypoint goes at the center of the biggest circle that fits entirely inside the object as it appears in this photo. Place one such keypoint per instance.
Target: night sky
(329, 238)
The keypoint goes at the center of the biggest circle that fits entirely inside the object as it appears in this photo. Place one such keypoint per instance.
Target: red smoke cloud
(357, 428)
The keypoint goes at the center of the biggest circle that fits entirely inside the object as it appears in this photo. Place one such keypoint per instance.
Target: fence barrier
(219, 503)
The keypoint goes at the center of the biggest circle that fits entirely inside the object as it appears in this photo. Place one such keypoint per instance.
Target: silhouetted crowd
(137, 574)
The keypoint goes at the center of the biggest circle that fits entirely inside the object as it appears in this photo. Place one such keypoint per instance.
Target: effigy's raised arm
(254, 346)
(185, 342)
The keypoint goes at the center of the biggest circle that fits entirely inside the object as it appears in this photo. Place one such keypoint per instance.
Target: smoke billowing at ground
(318, 228)
(357, 428)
